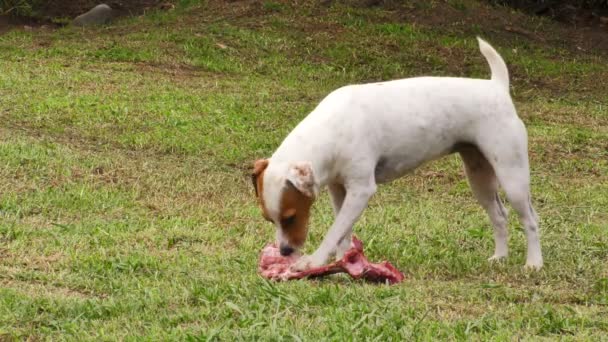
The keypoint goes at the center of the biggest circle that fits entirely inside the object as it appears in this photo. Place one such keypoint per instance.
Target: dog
(368, 134)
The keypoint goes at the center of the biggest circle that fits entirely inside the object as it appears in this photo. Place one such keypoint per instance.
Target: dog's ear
(258, 167)
(302, 177)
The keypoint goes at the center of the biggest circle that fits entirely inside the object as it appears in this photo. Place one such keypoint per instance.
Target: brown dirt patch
(63, 9)
(504, 24)
(7, 23)
(60, 9)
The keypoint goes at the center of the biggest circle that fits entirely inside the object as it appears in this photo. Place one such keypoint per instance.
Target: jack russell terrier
(363, 135)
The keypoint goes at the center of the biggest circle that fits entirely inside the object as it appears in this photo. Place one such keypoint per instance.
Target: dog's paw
(339, 255)
(497, 258)
(534, 262)
(340, 251)
(305, 263)
(533, 267)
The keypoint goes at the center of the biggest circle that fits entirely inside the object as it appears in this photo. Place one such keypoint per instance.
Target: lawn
(127, 213)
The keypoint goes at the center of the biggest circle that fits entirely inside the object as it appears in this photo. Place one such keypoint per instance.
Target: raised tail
(500, 73)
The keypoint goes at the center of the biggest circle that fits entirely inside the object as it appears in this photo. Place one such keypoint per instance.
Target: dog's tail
(500, 73)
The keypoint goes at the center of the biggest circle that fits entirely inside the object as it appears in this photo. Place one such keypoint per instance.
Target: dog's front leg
(337, 193)
(354, 204)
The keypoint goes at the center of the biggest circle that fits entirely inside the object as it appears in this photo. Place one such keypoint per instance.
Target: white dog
(363, 135)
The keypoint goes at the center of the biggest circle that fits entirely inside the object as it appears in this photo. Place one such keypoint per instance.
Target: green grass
(126, 210)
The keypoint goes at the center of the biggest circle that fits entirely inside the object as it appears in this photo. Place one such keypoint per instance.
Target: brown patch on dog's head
(285, 194)
(294, 215)
(257, 178)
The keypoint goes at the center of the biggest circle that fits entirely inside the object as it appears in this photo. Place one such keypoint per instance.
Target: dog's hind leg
(485, 188)
(507, 151)
(515, 182)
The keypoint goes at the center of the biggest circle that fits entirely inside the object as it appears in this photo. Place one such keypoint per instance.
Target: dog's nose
(286, 250)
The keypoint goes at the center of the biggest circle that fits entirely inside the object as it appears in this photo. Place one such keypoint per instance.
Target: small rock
(99, 15)
(27, 28)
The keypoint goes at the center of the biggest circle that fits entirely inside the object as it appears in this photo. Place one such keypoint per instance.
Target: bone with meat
(274, 266)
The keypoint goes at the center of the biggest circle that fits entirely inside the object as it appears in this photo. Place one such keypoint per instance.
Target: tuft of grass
(272, 6)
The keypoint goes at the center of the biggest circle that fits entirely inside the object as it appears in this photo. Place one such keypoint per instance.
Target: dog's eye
(288, 221)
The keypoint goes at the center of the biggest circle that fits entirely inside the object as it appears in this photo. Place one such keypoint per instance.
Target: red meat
(274, 266)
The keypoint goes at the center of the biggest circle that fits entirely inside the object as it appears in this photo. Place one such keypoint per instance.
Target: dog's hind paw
(497, 258)
(533, 267)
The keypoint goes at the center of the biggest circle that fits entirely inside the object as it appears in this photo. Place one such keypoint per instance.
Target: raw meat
(274, 266)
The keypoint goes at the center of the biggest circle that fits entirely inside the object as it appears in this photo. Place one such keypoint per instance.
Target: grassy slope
(126, 210)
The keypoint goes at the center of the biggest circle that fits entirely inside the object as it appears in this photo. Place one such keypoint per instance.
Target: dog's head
(285, 193)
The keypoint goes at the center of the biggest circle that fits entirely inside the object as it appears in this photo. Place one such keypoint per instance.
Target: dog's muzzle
(286, 250)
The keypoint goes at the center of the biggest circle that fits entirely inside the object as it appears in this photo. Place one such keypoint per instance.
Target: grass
(126, 210)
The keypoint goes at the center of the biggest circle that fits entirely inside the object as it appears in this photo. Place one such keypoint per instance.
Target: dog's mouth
(286, 250)
(288, 247)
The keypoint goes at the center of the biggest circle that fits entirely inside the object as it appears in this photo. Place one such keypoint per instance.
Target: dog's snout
(286, 250)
